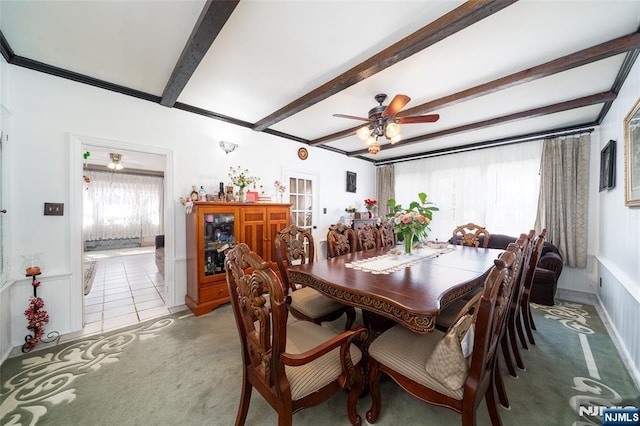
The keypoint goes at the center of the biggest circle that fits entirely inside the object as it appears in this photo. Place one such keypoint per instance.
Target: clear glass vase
(408, 241)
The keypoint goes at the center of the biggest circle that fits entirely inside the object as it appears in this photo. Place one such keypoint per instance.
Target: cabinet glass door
(219, 236)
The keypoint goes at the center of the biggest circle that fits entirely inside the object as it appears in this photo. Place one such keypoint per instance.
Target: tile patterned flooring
(127, 289)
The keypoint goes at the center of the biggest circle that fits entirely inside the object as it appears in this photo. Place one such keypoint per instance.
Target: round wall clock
(303, 154)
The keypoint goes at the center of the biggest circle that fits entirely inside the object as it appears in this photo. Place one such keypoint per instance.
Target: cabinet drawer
(214, 292)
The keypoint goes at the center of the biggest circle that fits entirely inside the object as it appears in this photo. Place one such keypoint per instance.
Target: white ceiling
(270, 54)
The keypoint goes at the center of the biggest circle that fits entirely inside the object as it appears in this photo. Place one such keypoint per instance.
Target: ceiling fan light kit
(382, 121)
(116, 161)
(374, 148)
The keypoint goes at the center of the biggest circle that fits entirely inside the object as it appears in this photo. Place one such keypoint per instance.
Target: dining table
(408, 289)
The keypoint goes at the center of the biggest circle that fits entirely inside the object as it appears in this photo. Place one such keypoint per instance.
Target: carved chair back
(525, 309)
(341, 239)
(368, 237)
(469, 235)
(388, 237)
(293, 246)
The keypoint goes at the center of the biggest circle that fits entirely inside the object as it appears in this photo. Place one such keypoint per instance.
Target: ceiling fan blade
(352, 117)
(398, 102)
(430, 118)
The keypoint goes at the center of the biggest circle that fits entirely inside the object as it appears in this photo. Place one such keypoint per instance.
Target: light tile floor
(127, 289)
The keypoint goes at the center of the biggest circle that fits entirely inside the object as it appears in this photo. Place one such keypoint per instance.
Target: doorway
(123, 284)
(302, 194)
(128, 284)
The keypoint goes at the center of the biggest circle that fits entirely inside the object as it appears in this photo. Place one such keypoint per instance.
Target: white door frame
(75, 207)
(5, 268)
(315, 211)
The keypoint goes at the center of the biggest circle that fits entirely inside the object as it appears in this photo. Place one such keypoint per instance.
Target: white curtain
(121, 205)
(494, 187)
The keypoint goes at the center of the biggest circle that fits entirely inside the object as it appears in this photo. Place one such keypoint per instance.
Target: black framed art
(351, 181)
(608, 166)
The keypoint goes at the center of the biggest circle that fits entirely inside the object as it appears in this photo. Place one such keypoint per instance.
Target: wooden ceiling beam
(532, 113)
(454, 21)
(582, 57)
(211, 21)
(598, 52)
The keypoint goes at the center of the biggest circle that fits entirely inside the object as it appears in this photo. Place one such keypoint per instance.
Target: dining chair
(470, 235)
(526, 317)
(522, 247)
(449, 315)
(388, 237)
(292, 365)
(368, 237)
(341, 239)
(446, 369)
(294, 246)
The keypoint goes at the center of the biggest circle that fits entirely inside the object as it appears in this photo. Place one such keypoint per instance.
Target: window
(495, 187)
(120, 205)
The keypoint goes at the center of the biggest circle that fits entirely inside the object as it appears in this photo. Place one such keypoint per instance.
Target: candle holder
(37, 317)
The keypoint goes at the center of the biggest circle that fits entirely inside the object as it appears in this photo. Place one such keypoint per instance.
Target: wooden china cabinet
(215, 227)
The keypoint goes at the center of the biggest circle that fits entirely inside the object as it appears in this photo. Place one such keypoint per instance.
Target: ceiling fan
(382, 121)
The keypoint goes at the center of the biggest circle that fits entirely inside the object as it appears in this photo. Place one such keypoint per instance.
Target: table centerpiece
(412, 223)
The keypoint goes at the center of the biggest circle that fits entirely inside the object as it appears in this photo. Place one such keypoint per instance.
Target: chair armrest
(552, 262)
(342, 340)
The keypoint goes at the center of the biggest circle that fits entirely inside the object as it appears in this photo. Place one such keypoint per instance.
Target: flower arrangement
(239, 177)
(350, 209)
(370, 204)
(279, 187)
(413, 222)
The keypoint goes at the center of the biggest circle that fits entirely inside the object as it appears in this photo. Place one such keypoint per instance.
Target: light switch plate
(53, 209)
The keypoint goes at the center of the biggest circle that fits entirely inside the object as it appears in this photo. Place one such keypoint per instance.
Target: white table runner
(389, 263)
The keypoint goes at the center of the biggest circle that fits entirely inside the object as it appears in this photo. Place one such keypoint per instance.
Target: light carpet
(186, 370)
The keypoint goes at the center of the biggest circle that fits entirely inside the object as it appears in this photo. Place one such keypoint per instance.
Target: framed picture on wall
(351, 181)
(608, 166)
(632, 157)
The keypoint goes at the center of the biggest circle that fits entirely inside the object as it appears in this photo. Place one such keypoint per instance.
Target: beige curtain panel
(562, 203)
(385, 187)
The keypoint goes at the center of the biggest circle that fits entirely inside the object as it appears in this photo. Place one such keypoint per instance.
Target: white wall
(48, 115)
(617, 251)
(5, 310)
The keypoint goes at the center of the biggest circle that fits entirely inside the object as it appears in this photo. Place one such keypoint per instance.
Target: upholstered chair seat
(306, 379)
(407, 352)
(312, 304)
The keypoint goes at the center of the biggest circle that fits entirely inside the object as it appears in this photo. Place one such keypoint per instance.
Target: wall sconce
(116, 161)
(228, 147)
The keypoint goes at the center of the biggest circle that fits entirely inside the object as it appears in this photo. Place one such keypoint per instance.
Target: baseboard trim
(616, 338)
(577, 296)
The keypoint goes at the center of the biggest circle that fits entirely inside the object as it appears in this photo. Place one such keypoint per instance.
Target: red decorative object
(37, 318)
(370, 205)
